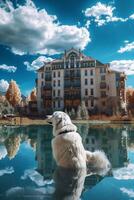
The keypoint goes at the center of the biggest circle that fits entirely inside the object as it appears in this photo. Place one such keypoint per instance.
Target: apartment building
(74, 78)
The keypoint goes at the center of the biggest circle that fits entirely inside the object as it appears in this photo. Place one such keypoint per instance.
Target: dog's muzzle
(49, 119)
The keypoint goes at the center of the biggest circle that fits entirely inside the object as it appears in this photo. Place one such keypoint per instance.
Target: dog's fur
(68, 150)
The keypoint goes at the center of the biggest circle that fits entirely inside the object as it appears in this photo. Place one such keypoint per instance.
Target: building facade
(65, 83)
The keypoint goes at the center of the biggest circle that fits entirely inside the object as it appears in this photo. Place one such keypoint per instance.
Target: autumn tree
(13, 94)
(130, 100)
(33, 95)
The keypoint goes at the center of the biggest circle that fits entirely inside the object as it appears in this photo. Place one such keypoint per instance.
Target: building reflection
(114, 142)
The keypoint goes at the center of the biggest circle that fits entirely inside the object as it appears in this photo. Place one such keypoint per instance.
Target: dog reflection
(68, 183)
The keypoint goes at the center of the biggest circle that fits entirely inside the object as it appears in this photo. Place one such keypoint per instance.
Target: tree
(130, 100)
(33, 95)
(84, 111)
(13, 94)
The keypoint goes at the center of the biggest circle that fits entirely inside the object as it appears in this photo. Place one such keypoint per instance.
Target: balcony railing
(72, 96)
(47, 97)
(72, 75)
(48, 78)
(47, 86)
(103, 85)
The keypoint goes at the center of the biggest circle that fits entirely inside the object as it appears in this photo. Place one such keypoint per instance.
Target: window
(86, 103)
(103, 94)
(54, 83)
(86, 81)
(54, 93)
(102, 70)
(85, 72)
(93, 141)
(42, 75)
(91, 72)
(54, 104)
(59, 104)
(58, 82)
(42, 83)
(87, 140)
(103, 103)
(86, 92)
(58, 93)
(92, 103)
(54, 74)
(92, 91)
(58, 73)
(103, 78)
(91, 81)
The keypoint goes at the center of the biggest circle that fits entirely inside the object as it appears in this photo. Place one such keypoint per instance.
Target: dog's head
(61, 123)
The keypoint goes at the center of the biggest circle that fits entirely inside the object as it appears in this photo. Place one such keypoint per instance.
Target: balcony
(103, 85)
(47, 87)
(72, 96)
(48, 78)
(72, 75)
(47, 97)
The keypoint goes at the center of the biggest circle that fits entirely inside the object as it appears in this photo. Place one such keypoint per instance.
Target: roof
(41, 69)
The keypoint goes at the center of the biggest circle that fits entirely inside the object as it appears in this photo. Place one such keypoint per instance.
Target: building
(64, 83)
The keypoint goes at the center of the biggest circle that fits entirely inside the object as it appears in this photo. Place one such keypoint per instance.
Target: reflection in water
(68, 183)
(113, 140)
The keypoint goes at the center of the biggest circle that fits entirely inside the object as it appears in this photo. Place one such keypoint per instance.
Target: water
(28, 171)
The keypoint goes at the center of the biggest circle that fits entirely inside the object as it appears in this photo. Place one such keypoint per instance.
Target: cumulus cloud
(124, 173)
(36, 64)
(35, 177)
(7, 170)
(126, 66)
(32, 193)
(27, 29)
(129, 46)
(131, 16)
(102, 14)
(3, 85)
(8, 68)
(129, 192)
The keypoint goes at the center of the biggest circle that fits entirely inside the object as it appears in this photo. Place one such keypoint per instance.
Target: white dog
(68, 150)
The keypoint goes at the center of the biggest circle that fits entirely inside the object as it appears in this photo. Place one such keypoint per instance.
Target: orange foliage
(13, 94)
(33, 96)
(130, 99)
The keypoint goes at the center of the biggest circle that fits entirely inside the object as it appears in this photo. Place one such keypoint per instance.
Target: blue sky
(35, 31)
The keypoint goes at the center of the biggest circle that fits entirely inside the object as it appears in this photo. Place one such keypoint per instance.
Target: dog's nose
(49, 119)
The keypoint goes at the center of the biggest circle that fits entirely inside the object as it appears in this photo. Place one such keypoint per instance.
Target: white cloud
(27, 29)
(8, 68)
(124, 173)
(129, 46)
(3, 85)
(126, 66)
(3, 151)
(129, 192)
(31, 193)
(87, 24)
(98, 10)
(35, 177)
(103, 14)
(131, 16)
(7, 170)
(36, 64)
